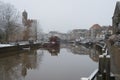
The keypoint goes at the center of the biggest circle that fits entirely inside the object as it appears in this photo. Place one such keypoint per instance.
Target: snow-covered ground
(5, 45)
(14, 43)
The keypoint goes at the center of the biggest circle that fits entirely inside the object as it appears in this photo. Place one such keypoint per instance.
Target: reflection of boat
(26, 48)
(53, 46)
(54, 51)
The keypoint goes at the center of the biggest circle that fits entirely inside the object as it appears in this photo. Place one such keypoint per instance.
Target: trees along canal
(8, 21)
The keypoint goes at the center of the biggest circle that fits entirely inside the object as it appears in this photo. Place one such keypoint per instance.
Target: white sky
(65, 15)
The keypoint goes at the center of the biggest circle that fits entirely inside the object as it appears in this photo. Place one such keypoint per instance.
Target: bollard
(99, 77)
(103, 50)
(104, 75)
(103, 72)
(112, 77)
(101, 64)
(107, 67)
(104, 66)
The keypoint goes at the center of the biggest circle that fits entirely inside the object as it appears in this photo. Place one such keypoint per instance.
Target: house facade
(116, 19)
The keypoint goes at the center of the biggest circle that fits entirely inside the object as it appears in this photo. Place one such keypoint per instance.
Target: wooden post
(112, 77)
(107, 67)
(101, 64)
(99, 77)
(103, 50)
(103, 68)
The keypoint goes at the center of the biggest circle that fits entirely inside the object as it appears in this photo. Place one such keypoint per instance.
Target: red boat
(54, 41)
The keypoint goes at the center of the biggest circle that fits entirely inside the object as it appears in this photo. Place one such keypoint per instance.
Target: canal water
(69, 62)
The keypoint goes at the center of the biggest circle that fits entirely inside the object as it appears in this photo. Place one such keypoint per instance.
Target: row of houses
(96, 32)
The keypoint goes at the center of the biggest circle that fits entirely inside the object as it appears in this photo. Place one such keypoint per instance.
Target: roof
(118, 4)
(96, 26)
(117, 8)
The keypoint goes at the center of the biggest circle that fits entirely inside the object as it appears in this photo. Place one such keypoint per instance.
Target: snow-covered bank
(5, 45)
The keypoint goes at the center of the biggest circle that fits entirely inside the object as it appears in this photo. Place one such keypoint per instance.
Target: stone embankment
(19, 47)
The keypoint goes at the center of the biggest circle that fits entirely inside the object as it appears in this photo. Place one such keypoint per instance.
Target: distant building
(95, 31)
(54, 33)
(33, 30)
(110, 30)
(98, 32)
(24, 17)
(78, 34)
(62, 36)
(30, 27)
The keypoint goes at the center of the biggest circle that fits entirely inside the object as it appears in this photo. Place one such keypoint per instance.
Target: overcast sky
(65, 15)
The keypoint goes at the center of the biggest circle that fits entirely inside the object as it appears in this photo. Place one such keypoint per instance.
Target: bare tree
(8, 23)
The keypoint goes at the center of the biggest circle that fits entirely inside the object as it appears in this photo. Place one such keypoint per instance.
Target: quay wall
(19, 47)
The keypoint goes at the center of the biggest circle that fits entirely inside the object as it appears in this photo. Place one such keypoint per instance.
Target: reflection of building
(76, 49)
(94, 55)
(15, 67)
(82, 50)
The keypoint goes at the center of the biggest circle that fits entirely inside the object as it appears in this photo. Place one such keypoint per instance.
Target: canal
(69, 62)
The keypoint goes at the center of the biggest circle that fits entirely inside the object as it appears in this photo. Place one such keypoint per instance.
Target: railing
(93, 75)
(103, 72)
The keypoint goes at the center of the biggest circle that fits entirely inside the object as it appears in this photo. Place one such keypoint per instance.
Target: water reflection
(94, 54)
(76, 49)
(55, 63)
(54, 51)
(15, 67)
(83, 50)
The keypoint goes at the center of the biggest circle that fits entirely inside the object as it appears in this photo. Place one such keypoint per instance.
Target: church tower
(24, 17)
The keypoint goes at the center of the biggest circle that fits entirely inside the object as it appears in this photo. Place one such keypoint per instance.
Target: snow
(14, 44)
(5, 45)
(84, 79)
